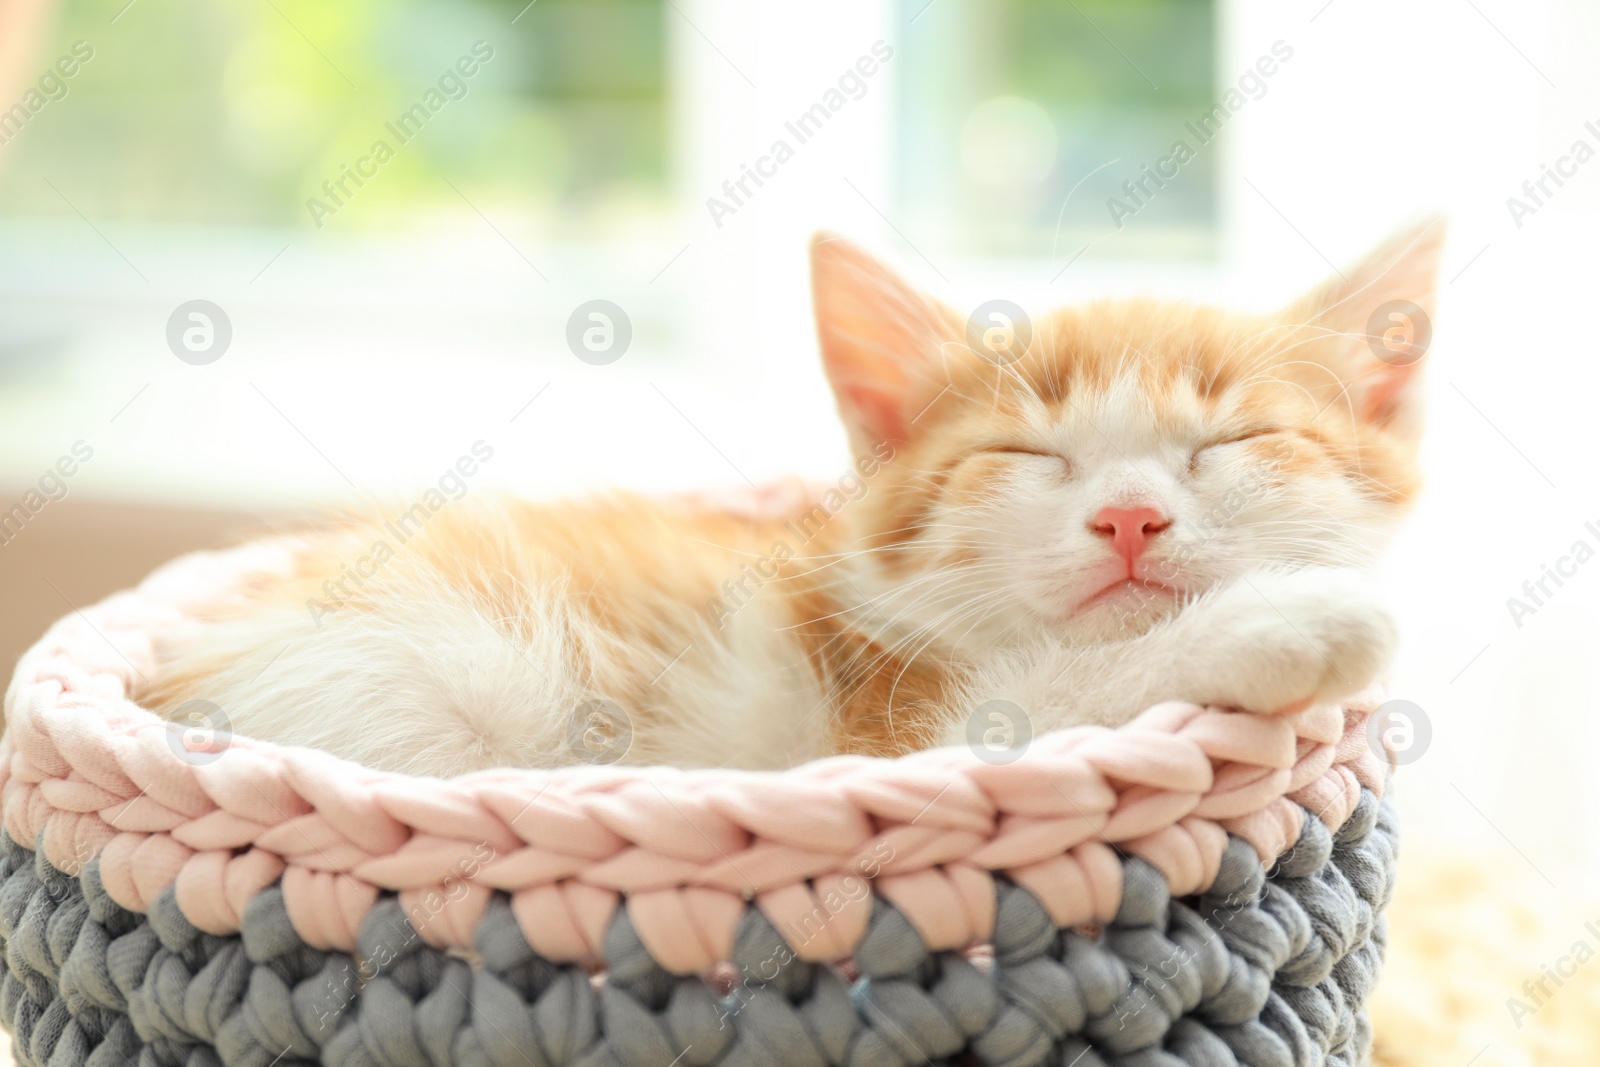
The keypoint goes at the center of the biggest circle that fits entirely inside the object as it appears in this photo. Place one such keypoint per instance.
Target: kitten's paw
(1279, 643)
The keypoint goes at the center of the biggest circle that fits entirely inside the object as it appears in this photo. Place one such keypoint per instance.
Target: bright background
(430, 311)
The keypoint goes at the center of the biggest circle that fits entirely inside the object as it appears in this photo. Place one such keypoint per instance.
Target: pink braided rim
(86, 772)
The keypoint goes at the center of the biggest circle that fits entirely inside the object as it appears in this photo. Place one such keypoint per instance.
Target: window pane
(1006, 105)
(248, 115)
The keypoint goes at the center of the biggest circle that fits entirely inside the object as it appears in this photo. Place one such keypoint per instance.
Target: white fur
(419, 679)
(1263, 642)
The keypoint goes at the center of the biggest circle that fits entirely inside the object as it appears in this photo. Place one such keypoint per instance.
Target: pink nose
(1130, 529)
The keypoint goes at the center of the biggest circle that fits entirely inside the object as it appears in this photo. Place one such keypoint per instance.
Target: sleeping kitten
(1133, 501)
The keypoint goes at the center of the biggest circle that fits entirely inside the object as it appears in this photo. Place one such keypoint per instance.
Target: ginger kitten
(1150, 501)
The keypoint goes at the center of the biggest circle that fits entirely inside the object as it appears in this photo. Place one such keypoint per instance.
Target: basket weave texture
(1198, 887)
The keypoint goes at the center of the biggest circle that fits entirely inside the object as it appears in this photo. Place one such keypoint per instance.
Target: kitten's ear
(1380, 315)
(882, 342)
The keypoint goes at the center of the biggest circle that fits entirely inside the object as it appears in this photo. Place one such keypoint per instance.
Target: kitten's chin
(1118, 612)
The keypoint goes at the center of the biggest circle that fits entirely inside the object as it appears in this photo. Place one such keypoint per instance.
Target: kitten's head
(1082, 478)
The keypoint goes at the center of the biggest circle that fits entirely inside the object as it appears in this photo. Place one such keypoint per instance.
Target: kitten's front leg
(1279, 641)
(1269, 642)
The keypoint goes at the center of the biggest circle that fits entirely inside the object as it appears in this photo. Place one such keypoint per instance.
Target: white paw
(1280, 642)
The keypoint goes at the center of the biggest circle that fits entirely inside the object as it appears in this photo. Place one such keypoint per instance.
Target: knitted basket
(1199, 887)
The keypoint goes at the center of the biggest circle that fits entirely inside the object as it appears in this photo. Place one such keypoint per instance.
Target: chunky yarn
(1266, 968)
(1199, 887)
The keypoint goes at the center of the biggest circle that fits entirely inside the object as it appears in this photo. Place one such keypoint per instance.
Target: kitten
(1151, 501)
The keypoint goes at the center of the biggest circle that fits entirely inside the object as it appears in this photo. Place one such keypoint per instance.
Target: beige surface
(1469, 934)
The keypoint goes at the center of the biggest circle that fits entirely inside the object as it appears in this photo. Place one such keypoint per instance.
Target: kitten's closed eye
(1231, 439)
(1243, 435)
(1027, 451)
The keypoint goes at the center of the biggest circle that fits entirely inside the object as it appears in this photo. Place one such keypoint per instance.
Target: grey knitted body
(1267, 969)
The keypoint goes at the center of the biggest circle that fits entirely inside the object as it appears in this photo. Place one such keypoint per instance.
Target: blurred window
(239, 114)
(1006, 105)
